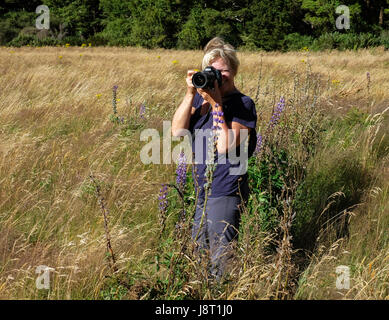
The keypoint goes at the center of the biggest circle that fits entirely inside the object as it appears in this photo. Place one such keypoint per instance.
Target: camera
(206, 78)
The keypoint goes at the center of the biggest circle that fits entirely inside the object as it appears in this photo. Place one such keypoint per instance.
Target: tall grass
(320, 191)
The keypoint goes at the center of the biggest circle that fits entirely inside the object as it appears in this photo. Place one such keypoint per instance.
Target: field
(326, 161)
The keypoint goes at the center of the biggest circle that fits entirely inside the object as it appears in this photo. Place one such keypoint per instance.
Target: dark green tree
(271, 21)
(82, 17)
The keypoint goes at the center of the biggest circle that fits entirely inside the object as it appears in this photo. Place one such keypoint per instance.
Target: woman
(216, 227)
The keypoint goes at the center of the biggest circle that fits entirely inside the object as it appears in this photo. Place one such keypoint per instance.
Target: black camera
(206, 78)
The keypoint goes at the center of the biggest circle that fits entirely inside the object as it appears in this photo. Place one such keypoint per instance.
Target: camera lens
(199, 80)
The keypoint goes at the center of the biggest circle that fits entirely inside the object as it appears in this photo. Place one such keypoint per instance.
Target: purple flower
(217, 118)
(181, 172)
(142, 111)
(163, 203)
(277, 113)
(259, 143)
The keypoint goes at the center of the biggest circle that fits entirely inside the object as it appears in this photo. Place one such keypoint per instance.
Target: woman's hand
(212, 96)
(190, 87)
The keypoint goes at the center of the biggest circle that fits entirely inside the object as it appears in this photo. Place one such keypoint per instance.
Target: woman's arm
(230, 133)
(183, 113)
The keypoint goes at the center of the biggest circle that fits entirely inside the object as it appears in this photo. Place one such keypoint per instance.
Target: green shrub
(384, 39)
(98, 39)
(116, 32)
(73, 40)
(345, 41)
(23, 40)
(12, 23)
(267, 177)
(324, 42)
(296, 41)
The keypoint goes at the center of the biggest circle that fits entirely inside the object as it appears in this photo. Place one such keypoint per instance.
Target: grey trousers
(218, 231)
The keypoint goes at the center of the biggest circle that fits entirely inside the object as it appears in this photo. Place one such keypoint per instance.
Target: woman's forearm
(181, 118)
(226, 137)
(229, 134)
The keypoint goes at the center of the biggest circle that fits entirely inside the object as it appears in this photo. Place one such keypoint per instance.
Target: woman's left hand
(212, 96)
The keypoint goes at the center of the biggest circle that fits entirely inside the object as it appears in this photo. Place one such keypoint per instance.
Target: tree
(271, 21)
(82, 17)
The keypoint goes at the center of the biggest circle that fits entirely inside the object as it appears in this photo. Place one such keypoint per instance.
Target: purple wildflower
(217, 118)
(259, 143)
(142, 111)
(277, 113)
(181, 172)
(163, 203)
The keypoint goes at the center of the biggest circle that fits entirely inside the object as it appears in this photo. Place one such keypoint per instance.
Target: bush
(324, 42)
(384, 39)
(23, 40)
(98, 39)
(116, 32)
(296, 41)
(12, 23)
(346, 41)
(266, 181)
(73, 40)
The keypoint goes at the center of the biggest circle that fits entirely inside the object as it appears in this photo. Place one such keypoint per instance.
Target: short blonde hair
(217, 48)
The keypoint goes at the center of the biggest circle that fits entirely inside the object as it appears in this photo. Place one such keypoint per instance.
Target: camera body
(206, 78)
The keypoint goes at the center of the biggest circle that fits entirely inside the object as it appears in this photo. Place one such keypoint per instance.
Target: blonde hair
(217, 48)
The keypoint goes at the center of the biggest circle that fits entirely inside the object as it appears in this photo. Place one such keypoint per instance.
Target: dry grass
(55, 130)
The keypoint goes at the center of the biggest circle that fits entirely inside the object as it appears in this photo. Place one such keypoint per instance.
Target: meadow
(71, 179)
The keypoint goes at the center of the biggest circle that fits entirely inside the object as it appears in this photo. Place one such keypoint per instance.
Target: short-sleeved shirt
(236, 107)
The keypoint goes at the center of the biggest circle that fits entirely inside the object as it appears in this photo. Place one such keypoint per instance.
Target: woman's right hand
(190, 87)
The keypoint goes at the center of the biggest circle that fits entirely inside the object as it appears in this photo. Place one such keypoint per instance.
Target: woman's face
(227, 75)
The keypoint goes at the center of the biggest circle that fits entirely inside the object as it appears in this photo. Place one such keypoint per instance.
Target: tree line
(189, 24)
